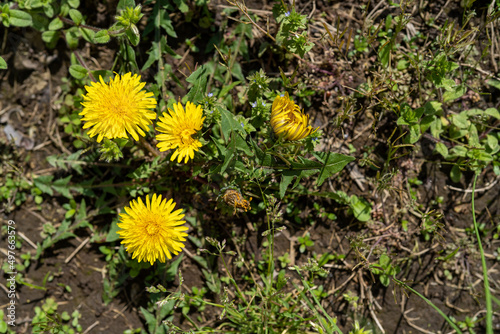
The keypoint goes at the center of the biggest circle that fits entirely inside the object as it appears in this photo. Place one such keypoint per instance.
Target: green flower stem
(441, 313)
(489, 308)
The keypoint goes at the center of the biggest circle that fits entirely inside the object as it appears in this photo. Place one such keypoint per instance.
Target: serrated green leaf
(78, 72)
(199, 80)
(61, 186)
(229, 123)
(20, 18)
(332, 163)
(43, 183)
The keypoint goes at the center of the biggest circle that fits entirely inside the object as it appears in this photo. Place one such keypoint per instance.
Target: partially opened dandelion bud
(112, 109)
(288, 121)
(178, 128)
(152, 231)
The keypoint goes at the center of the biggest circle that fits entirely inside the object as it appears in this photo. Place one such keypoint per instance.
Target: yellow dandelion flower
(152, 231)
(288, 121)
(115, 108)
(178, 127)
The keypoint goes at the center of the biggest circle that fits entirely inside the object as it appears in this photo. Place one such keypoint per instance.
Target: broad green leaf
(493, 112)
(50, 37)
(199, 80)
(3, 64)
(458, 151)
(78, 72)
(87, 34)
(76, 16)
(492, 142)
(332, 163)
(20, 18)
(494, 83)
(133, 35)
(262, 158)
(102, 37)
(455, 93)
(473, 136)
(384, 53)
(360, 208)
(461, 120)
(56, 24)
(442, 149)
(432, 107)
(414, 134)
(455, 174)
(74, 3)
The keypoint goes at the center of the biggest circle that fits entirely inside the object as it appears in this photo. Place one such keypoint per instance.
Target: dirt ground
(30, 87)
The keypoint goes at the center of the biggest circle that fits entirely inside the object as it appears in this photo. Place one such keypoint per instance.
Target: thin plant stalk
(441, 313)
(489, 308)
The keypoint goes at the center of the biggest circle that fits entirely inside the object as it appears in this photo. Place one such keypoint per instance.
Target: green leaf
(361, 208)
(76, 16)
(20, 18)
(492, 142)
(62, 187)
(56, 24)
(442, 149)
(455, 93)
(78, 72)
(102, 37)
(455, 174)
(173, 269)
(461, 120)
(414, 134)
(3, 64)
(43, 183)
(72, 37)
(384, 52)
(199, 80)
(493, 112)
(87, 34)
(332, 163)
(74, 3)
(229, 123)
(133, 35)
(494, 83)
(50, 37)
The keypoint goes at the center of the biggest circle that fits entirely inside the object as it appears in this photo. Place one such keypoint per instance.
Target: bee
(233, 197)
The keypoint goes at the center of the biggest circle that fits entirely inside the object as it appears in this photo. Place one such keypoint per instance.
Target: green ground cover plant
(216, 167)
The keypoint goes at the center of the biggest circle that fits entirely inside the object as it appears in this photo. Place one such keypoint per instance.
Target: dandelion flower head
(288, 121)
(151, 231)
(115, 108)
(178, 128)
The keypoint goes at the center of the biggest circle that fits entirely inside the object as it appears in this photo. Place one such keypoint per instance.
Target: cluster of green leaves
(47, 320)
